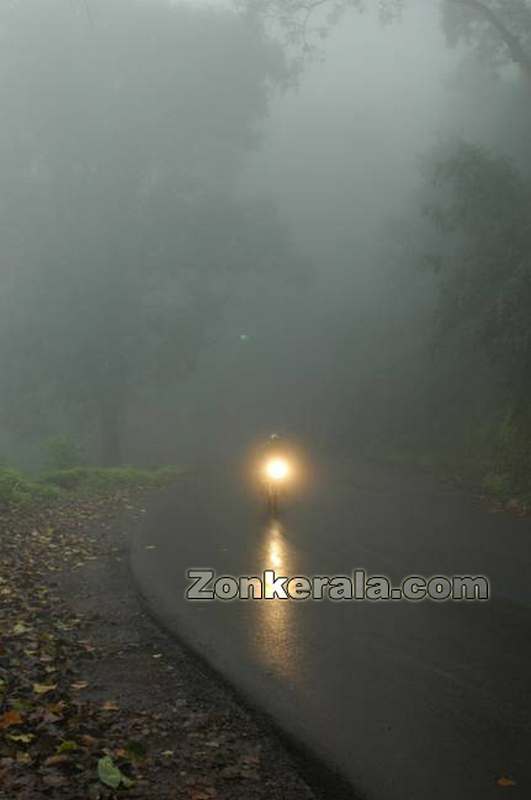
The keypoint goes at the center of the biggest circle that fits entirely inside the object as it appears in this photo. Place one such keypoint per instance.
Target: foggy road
(408, 700)
(229, 220)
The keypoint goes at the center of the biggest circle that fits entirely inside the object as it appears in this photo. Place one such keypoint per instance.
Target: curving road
(408, 700)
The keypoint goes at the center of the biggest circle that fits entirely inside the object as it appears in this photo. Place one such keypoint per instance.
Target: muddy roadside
(96, 699)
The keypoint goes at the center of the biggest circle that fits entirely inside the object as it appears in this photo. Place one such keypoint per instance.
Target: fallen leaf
(24, 738)
(10, 718)
(79, 685)
(504, 781)
(20, 628)
(111, 775)
(56, 708)
(44, 688)
(53, 761)
(67, 747)
(109, 705)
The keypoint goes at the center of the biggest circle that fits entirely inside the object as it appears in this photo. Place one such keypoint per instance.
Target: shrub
(62, 452)
(16, 490)
(498, 485)
(67, 478)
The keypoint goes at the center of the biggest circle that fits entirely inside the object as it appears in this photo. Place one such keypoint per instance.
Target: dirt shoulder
(95, 699)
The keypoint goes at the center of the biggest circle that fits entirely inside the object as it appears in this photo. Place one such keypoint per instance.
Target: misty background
(215, 225)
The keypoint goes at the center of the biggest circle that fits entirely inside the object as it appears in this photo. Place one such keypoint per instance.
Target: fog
(214, 228)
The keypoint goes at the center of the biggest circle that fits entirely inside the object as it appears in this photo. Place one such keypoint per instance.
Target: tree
(481, 206)
(498, 30)
(119, 149)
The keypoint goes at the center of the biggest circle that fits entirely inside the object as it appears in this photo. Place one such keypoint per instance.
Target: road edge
(323, 779)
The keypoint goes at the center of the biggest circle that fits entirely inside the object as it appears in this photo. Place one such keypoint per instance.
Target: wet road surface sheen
(408, 700)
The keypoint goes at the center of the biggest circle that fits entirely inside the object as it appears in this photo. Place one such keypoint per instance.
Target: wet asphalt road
(408, 700)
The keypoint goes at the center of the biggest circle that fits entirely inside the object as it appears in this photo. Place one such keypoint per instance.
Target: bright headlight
(277, 469)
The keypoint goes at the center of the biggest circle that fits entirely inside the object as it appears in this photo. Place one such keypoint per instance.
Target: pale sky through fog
(349, 137)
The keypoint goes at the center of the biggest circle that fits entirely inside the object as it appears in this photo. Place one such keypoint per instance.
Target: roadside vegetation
(19, 491)
(473, 396)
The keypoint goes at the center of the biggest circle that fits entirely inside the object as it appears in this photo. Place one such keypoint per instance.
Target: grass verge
(21, 491)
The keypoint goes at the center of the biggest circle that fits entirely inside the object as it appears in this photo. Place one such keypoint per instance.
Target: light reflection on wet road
(409, 700)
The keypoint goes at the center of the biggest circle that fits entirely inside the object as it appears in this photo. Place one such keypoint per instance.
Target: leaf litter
(59, 741)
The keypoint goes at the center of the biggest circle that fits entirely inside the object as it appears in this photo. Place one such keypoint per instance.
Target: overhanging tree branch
(518, 53)
(300, 12)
